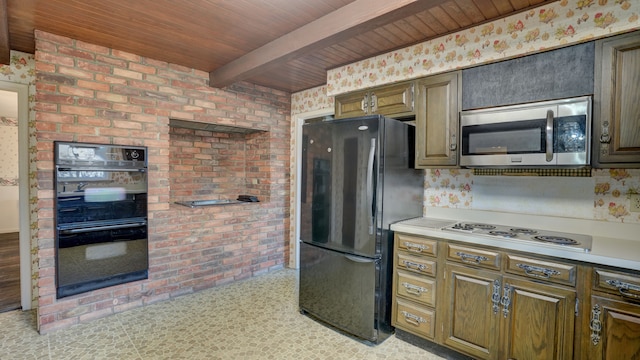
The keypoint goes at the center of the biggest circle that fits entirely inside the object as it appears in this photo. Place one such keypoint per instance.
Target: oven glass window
(505, 142)
(522, 137)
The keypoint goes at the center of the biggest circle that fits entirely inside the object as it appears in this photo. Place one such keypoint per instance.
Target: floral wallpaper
(612, 189)
(454, 188)
(551, 26)
(554, 25)
(22, 70)
(310, 100)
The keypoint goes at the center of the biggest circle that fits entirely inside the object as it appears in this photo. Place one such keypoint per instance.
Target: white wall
(9, 190)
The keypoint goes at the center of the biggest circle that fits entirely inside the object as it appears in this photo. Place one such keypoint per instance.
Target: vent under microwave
(550, 133)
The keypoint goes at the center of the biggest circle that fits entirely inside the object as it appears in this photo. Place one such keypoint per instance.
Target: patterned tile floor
(251, 319)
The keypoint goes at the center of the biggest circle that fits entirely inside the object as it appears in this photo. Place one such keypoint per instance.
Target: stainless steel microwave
(548, 133)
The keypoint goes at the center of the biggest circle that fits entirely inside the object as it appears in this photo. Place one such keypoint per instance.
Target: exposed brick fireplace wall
(89, 93)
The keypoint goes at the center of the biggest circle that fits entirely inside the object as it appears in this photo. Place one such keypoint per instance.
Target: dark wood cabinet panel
(470, 322)
(539, 323)
(394, 100)
(614, 330)
(437, 116)
(616, 116)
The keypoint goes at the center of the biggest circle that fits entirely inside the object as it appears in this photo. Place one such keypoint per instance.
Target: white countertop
(613, 244)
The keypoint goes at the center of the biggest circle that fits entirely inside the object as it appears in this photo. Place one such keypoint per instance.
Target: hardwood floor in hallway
(9, 271)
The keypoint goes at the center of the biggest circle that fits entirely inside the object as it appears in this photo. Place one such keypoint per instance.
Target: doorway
(15, 258)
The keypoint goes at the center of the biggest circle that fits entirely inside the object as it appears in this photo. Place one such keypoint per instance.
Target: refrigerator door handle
(372, 153)
(359, 259)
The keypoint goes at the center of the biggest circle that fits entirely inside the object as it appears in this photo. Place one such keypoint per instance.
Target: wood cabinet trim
(416, 264)
(417, 245)
(474, 257)
(417, 320)
(537, 269)
(607, 150)
(416, 288)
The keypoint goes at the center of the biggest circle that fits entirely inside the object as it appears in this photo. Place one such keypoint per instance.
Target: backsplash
(603, 196)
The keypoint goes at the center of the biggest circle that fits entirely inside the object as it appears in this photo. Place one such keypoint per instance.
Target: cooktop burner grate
(557, 240)
(576, 242)
(480, 226)
(508, 234)
(524, 231)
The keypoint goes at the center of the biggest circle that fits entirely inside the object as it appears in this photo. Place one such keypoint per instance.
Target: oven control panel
(99, 155)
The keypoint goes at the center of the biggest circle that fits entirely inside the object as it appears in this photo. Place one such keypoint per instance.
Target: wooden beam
(5, 49)
(350, 20)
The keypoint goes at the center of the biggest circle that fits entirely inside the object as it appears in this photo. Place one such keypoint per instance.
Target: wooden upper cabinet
(352, 105)
(616, 116)
(438, 105)
(392, 100)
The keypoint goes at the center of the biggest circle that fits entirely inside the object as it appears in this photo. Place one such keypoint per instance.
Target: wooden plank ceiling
(282, 44)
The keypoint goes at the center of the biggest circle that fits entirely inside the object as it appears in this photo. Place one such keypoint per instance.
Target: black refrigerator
(357, 178)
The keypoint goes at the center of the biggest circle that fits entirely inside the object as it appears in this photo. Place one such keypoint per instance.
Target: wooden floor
(9, 272)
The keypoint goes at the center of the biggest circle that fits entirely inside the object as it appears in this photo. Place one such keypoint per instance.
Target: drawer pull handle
(624, 288)
(595, 325)
(413, 247)
(414, 289)
(412, 265)
(474, 259)
(539, 272)
(413, 319)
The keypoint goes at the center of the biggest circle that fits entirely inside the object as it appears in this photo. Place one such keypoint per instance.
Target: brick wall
(89, 93)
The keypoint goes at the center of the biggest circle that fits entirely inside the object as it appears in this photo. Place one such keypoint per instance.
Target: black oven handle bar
(100, 169)
(106, 227)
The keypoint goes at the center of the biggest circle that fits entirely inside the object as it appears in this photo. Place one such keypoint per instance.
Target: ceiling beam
(350, 20)
(5, 49)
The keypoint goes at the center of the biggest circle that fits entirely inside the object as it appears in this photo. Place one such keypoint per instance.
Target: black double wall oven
(101, 216)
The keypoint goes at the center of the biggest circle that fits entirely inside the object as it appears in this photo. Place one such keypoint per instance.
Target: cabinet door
(470, 318)
(614, 330)
(538, 320)
(439, 101)
(616, 117)
(352, 105)
(393, 100)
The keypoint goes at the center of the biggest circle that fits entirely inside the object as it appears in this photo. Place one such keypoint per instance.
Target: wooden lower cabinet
(490, 316)
(494, 304)
(537, 320)
(614, 330)
(470, 321)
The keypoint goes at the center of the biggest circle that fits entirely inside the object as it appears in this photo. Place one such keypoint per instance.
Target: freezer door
(339, 181)
(340, 290)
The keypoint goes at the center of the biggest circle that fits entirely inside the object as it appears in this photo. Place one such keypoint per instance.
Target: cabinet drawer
(625, 285)
(416, 245)
(420, 265)
(416, 319)
(472, 256)
(545, 270)
(417, 288)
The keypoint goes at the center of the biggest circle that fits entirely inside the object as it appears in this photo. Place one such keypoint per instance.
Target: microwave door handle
(549, 135)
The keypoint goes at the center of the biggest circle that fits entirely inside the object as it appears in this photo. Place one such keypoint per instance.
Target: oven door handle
(106, 227)
(549, 138)
(101, 169)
